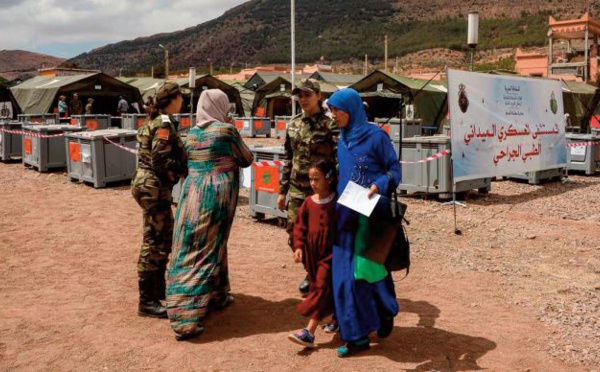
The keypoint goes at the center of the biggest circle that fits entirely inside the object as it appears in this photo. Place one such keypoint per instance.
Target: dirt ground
(518, 290)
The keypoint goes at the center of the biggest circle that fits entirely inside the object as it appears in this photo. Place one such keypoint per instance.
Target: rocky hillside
(21, 64)
(342, 30)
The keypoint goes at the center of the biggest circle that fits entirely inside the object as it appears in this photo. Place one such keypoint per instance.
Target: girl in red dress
(312, 244)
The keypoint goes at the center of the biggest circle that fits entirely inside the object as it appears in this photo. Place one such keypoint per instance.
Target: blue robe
(368, 158)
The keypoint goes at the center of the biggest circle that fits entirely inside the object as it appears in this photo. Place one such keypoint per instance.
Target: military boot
(149, 304)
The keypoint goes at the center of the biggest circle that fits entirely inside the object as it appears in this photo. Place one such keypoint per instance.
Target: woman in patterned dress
(198, 272)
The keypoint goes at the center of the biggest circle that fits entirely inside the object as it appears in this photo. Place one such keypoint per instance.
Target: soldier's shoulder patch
(163, 134)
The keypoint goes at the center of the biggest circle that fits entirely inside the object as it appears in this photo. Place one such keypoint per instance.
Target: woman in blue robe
(365, 298)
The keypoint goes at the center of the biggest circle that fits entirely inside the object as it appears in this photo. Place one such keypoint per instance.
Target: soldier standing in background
(311, 136)
(75, 105)
(161, 162)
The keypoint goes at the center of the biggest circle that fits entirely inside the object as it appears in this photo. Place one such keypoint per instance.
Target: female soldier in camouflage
(311, 136)
(161, 161)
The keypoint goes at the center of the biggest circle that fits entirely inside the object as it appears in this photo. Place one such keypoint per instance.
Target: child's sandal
(303, 337)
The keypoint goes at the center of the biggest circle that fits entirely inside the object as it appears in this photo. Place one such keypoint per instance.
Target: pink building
(572, 52)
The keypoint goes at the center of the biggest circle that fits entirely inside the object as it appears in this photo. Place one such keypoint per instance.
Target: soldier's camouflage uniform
(307, 140)
(161, 158)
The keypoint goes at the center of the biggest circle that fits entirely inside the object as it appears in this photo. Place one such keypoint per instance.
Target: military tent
(385, 93)
(9, 108)
(247, 96)
(577, 99)
(262, 78)
(275, 97)
(339, 80)
(207, 81)
(39, 95)
(147, 87)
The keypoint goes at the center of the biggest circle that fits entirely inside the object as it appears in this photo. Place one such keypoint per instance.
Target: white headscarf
(213, 105)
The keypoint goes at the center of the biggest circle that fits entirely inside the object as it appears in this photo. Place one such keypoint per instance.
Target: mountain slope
(18, 63)
(259, 32)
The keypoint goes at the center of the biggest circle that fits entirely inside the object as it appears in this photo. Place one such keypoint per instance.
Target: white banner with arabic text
(502, 125)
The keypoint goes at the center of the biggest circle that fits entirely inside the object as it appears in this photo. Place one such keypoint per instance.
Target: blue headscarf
(349, 101)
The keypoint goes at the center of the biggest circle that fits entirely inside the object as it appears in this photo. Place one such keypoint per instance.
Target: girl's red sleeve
(301, 227)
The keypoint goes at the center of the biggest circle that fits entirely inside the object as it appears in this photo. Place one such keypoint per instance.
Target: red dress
(314, 234)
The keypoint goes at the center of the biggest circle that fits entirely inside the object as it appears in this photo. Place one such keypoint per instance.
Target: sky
(66, 28)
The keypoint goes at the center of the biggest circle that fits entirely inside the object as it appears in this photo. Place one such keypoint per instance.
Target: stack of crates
(253, 126)
(186, 121)
(10, 143)
(94, 159)
(133, 121)
(397, 128)
(265, 176)
(45, 153)
(281, 124)
(91, 122)
(38, 118)
(435, 176)
(583, 158)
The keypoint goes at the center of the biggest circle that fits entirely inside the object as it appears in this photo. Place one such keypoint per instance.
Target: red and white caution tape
(440, 154)
(128, 149)
(580, 144)
(32, 134)
(266, 163)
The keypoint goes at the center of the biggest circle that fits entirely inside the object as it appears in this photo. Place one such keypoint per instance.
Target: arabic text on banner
(503, 125)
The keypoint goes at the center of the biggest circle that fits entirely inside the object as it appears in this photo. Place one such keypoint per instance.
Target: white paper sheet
(355, 197)
(246, 177)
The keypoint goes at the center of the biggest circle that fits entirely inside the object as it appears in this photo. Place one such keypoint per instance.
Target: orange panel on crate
(239, 124)
(184, 122)
(74, 121)
(37, 121)
(140, 122)
(266, 179)
(595, 121)
(281, 125)
(258, 124)
(92, 124)
(27, 145)
(386, 128)
(74, 152)
(260, 111)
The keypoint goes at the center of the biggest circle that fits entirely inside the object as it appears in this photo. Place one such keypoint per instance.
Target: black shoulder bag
(399, 255)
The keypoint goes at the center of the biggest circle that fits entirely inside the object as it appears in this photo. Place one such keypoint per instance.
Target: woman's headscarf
(349, 101)
(213, 106)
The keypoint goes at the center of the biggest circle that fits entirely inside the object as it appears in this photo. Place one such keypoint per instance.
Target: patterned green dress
(198, 266)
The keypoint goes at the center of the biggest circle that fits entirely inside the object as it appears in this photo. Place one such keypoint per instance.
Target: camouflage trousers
(293, 205)
(157, 228)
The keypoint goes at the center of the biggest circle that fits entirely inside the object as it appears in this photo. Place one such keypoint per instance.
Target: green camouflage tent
(384, 92)
(39, 95)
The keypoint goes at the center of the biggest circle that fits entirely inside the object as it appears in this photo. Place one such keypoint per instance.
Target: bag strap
(397, 206)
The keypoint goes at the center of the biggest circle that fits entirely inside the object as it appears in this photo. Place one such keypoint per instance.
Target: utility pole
(293, 37)
(166, 61)
(166, 64)
(385, 61)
